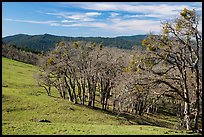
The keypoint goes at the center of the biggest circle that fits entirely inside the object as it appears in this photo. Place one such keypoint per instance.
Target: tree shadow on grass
(134, 119)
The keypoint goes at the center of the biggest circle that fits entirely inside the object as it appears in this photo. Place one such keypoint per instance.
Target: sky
(83, 19)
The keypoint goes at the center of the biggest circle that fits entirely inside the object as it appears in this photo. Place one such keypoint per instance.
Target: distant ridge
(48, 41)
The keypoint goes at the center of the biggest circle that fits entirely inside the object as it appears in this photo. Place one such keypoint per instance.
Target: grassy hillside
(24, 105)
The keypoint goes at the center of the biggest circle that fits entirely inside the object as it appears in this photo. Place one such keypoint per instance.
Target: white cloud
(92, 13)
(156, 10)
(114, 24)
(133, 14)
(123, 18)
(67, 21)
(97, 24)
(63, 23)
(144, 15)
(88, 16)
(114, 14)
(51, 23)
(86, 24)
(123, 26)
(135, 25)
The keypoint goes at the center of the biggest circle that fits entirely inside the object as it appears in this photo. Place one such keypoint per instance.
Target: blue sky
(106, 19)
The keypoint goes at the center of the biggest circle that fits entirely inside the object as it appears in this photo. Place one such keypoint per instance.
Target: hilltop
(47, 41)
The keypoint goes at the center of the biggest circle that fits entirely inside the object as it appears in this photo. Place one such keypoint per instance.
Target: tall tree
(178, 50)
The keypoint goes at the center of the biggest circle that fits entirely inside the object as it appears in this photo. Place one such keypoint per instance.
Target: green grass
(24, 104)
(84, 129)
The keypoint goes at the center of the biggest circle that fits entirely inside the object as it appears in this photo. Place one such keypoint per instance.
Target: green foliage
(184, 12)
(161, 45)
(178, 27)
(47, 42)
(50, 61)
(11, 51)
(139, 88)
(127, 69)
(100, 46)
(151, 38)
(165, 31)
(150, 48)
(132, 62)
(188, 14)
(76, 45)
(145, 42)
(61, 43)
(138, 70)
(94, 45)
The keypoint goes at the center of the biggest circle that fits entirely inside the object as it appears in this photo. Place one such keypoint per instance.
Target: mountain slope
(46, 42)
(24, 105)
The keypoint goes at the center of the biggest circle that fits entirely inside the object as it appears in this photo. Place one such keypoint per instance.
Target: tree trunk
(62, 92)
(186, 103)
(114, 101)
(59, 90)
(105, 103)
(83, 82)
(186, 110)
(141, 108)
(102, 97)
(79, 91)
(148, 109)
(49, 91)
(93, 91)
(179, 111)
(107, 97)
(72, 83)
(89, 93)
(68, 90)
(136, 108)
(197, 105)
(187, 115)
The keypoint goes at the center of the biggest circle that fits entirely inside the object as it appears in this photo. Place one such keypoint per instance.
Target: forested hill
(46, 42)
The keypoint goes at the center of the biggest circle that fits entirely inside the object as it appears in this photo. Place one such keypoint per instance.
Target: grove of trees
(168, 75)
(12, 52)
